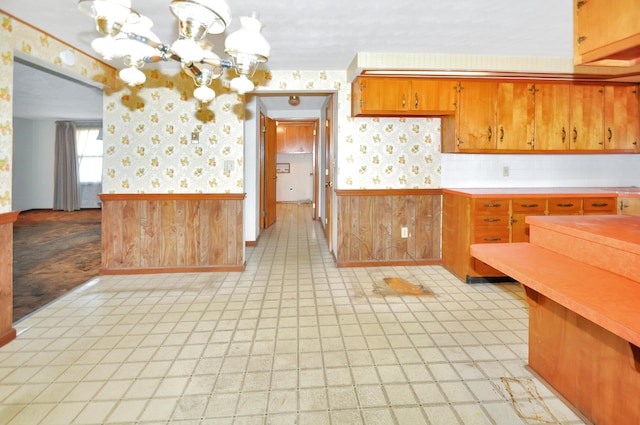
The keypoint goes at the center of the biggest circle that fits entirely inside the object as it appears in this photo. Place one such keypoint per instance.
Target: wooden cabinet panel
(621, 112)
(295, 137)
(587, 117)
(435, 96)
(521, 208)
(476, 116)
(515, 116)
(552, 116)
(604, 205)
(396, 96)
(629, 206)
(606, 31)
(565, 206)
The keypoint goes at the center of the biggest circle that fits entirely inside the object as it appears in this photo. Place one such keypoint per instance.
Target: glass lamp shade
(242, 84)
(132, 76)
(210, 16)
(204, 94)
(247, 46)
(105, 47)
(110, 15)
(188, 50)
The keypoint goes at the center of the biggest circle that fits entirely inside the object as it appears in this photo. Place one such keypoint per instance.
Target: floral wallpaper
(372, 153)
(19, 38)
(148, 146)
(148, 130)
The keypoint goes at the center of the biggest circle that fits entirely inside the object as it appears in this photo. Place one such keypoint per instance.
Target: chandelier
(128, 35)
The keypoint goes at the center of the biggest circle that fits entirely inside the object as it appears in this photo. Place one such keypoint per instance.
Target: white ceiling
(326, 35)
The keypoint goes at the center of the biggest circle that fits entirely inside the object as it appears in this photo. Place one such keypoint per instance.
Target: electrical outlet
(404, 232)
(505, 171)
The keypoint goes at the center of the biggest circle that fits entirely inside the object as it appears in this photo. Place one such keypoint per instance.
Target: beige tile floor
(292, 340)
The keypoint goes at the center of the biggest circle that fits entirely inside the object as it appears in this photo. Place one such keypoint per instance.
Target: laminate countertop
(546, 192)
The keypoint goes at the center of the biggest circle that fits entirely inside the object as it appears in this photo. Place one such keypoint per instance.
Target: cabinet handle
(575, 135)
(490, 133)
(581, 38)
(404, 101)
(623, 206)
(529, 205)
(491, 220)
(603, 204)
(564, 205)
(492, 239)
(564, 135)
(492, 205)
(416, 100)
(610, 134)
(501, 134)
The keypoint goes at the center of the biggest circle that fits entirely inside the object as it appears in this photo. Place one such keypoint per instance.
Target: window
(89, 148)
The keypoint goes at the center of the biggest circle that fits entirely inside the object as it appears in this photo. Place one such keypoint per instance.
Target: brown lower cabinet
(474, 219)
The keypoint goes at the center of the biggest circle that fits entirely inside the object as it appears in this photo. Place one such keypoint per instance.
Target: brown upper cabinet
(494, 115)
(606, 32)
(396, 96)
(295, 136)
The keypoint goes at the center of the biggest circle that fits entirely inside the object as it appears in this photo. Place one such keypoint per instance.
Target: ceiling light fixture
(128, 35)
(294, 100)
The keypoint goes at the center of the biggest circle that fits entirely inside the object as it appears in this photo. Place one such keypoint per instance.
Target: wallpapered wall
(148, 145)
(30, 43)
(148, 130)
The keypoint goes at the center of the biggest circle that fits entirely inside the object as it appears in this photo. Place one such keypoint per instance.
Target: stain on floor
(397, 286)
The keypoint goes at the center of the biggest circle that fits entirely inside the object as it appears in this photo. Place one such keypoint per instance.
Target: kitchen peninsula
(582, 283)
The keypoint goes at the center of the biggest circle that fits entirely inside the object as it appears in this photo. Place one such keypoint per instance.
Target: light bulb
(105, 47)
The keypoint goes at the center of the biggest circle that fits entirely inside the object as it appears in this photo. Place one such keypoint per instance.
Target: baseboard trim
(159, 270)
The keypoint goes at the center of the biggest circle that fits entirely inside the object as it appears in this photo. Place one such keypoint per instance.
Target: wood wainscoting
(7, 332)
(172, 233)
(370, 226)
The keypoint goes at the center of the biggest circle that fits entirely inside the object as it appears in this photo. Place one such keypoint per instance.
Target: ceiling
(327, 35)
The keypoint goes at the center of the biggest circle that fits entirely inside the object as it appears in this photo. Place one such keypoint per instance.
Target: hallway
(291, 340)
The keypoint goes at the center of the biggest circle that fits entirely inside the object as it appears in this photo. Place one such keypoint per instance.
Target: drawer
(491, 235)
(491, 220)
(491, 206)
(599, 205)
(565, 206)
(529, 206)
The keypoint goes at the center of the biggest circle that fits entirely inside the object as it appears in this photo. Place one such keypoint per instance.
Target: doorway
(303, 158)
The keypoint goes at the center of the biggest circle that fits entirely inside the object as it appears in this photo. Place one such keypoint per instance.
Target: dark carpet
(53, 252)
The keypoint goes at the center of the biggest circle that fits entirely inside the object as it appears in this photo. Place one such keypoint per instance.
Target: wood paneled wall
(370, 223)
(7, 332)
(164, 233)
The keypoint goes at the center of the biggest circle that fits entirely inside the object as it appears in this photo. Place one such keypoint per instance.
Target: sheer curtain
(66, 194)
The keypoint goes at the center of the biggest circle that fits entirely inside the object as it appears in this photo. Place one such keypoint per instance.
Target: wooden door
(270, 177)
(477, 115)
(433, 96)
(552, 118)
(515, 116)
(328, 185)
(587, 117)
(262, 173)
(621, 116)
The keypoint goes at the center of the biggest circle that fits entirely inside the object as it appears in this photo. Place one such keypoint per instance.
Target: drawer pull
(492, 239)
(564, 205)
(603, 204)
(492, 205)
(529, 205)
(491, 220)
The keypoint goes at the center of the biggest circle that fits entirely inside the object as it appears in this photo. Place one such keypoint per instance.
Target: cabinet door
(515, 116)
(477, 115)
(587, 117)
(380, 95)
(552, 117)
(295, 138)
(629, 206)
(621, 117)
(521, 208)
(605, 30)
(433, 96)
